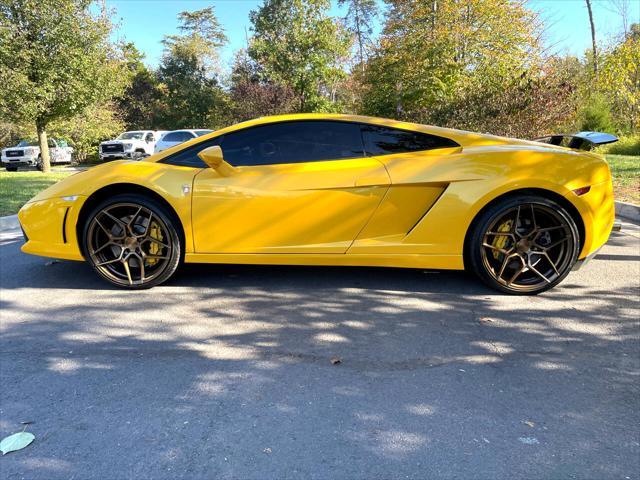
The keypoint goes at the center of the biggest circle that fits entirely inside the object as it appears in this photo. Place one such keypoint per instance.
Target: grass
(626, 177)
(16, 188)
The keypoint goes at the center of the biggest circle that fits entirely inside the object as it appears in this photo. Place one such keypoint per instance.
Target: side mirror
(213, 157)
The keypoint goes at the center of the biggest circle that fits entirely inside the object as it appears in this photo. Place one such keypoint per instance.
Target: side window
(385, 141)
(189, 156)
(149, 137)
(293, 142)
(171, 137)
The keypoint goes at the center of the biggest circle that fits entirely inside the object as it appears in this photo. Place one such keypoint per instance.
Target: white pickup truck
(135, 145)
(27, 154)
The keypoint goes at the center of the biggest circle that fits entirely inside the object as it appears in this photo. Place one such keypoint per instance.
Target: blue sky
(145, 22)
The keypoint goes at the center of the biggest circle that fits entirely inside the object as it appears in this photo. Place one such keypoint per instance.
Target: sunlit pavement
(226, 372)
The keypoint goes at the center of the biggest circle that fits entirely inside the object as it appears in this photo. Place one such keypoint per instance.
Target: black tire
(12, 169)
(115, 234)
(523, 245)
(39, 164)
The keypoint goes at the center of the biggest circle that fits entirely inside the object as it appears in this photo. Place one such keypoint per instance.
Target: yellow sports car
(324, 189)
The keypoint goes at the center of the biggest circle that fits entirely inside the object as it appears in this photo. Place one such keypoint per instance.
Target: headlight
(31, 151)
(128, 146)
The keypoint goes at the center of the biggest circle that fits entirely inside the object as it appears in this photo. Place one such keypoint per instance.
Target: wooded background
(472, 64)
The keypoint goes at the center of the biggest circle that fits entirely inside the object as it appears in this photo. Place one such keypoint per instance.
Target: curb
(628, 211)
(9, 222)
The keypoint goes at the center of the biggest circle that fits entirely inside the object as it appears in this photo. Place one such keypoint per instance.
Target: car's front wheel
(523, 245)
(132, 241)
(12, 169)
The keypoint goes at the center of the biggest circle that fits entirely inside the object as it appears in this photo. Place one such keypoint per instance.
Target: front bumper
(18, 161)
(115, 156)
(49, 227)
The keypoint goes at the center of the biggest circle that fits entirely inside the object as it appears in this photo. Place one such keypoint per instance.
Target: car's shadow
(24, 271)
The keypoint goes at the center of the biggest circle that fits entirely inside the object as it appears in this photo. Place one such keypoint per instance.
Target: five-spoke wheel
(132, 242)
(524, 244)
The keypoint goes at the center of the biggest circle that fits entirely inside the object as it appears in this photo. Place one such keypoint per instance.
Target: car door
(298, 187)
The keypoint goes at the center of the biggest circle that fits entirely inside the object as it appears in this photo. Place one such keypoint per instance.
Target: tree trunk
(44, 147)
(593, 38)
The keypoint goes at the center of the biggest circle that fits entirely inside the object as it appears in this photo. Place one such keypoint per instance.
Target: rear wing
(580, 140)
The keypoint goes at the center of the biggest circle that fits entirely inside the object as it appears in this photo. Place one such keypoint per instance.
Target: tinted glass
(177, 137)
(385, 140)
(189, 156)
(293, 142)
(202, 132)
(149, 137)
(171, 137)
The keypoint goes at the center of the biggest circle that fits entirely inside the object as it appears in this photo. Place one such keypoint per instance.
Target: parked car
(177, 137)
(27, 154)
(135, 145)
(328, 189)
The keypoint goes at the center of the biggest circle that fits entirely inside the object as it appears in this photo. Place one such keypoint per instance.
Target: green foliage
(627, 145)
(298, 45)
(361, 15)
(436, 52)
(595, 115)
(56, 60)
(86, 130)
(192, 97)
(142, 100)
(619, 80)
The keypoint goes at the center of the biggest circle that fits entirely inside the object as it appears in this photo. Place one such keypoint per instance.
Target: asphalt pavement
(320, 373)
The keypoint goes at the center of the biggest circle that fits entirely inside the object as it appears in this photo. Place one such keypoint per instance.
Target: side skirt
(439, 262)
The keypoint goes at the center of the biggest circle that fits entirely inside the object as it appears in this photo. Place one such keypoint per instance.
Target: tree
(359, 19)
(194, 98)
(141, 101)
(297, 44)
(593, 38)
(202, 35)
(619, 80)
(253, 95)
(55, 60)
(86, 130)
(435, 53)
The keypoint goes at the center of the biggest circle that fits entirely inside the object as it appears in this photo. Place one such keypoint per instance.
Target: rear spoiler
(580, 140)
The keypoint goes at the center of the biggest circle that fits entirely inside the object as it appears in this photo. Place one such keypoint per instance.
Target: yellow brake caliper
(501, 240)
(155, 248)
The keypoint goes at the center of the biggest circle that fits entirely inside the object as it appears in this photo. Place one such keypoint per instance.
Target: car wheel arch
(123, 188)
(541, 192)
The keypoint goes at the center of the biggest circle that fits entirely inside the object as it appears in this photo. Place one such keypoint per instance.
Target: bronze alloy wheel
(528, 247)
(129, 244)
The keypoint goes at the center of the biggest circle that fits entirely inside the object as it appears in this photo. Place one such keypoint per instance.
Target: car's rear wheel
(523, 245)
(132, 241)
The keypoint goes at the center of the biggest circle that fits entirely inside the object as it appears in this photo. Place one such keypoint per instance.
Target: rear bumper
(597, 209)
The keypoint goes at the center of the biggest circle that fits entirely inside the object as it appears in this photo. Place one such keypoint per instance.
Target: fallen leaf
(52, 262)
(529, 423)
(27, 422)
(486, 319)
(267, 450)
(335, 360)
(17, 441)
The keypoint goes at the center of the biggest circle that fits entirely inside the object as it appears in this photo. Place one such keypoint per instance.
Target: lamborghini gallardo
(328, 189)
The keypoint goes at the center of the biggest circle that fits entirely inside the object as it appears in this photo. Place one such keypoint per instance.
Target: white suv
(27, 154)
(176, 137)
(136, 145)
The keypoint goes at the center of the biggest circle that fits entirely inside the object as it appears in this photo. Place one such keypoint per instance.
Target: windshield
(28, 143)
(131, 136)
(202, 132)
